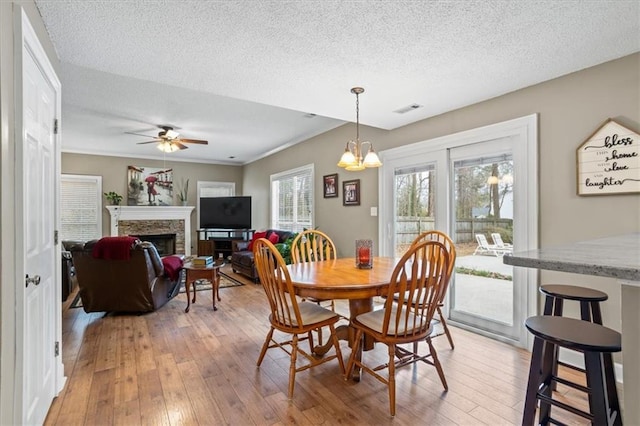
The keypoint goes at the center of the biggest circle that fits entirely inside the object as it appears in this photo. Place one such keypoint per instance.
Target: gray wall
(114, 177)
(570, 108)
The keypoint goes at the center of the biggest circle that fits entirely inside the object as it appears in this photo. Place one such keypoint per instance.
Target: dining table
(342, 279)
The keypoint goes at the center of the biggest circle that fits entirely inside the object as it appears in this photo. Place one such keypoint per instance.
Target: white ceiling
(245, 75)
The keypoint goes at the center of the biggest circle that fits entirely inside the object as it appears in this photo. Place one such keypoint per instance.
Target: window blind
(292, 199)
(80, 207)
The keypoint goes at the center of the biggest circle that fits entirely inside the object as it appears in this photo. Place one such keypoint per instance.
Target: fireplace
(151, 220)
(165, 243)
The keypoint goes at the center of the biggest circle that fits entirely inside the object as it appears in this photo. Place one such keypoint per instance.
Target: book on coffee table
(202, 261)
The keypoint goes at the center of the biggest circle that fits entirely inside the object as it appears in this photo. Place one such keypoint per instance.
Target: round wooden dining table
(342, 279)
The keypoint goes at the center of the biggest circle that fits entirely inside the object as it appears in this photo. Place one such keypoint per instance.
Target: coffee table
(210, 273)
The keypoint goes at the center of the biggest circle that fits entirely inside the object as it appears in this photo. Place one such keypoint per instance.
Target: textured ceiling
(245, 74)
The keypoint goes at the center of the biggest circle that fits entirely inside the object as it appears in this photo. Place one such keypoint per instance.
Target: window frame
(307, 169)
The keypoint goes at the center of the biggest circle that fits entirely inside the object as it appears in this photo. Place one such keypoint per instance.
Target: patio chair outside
(485, 248)
(497, 240)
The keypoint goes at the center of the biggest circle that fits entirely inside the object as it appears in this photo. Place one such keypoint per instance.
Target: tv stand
(213, 242)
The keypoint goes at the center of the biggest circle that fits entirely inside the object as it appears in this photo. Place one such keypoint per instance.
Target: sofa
(137, 283)
(242, 261)
(68, 270)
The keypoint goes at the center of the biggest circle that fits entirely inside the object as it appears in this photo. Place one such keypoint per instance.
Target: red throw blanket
(113, 248)
(172, 266)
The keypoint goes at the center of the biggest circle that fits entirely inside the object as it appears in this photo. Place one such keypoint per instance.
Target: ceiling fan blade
(153, 141)
(179, 145)
(139, 134)
(194, 141)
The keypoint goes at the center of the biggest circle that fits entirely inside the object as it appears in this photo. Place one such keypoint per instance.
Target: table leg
(187, 284)
(215, 288)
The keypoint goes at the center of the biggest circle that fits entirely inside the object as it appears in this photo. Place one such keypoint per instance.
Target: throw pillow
(256, 236)
(274, 238)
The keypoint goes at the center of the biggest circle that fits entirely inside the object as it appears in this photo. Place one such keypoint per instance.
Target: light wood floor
(173, 368)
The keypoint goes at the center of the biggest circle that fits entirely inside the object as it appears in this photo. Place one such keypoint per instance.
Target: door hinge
(57, 349)
(55, 237)
(55, 126)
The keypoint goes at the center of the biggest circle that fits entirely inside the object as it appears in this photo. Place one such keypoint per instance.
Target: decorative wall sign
(609, 161)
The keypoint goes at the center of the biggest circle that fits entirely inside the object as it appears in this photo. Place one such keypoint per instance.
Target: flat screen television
(225, 213)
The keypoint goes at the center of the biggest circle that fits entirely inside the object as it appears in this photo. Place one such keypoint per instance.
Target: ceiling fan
(168, 140)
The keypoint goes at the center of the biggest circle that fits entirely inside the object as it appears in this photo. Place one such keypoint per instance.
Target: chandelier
(352, 158)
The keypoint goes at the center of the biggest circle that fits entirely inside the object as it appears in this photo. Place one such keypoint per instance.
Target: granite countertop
(615, 257)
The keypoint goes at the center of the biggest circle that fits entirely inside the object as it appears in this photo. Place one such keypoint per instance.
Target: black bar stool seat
(597, 343)
(589, 300)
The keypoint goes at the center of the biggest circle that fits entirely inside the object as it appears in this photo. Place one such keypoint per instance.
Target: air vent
(407, 108)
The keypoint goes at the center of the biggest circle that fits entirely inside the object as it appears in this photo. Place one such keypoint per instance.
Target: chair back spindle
(312, 246)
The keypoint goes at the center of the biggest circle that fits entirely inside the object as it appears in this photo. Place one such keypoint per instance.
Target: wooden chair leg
(292, 367)
(392, 380)
(265, 346)
(336, 344)
(355, 350)
(436, 363)
(446, 329)
(310, 338)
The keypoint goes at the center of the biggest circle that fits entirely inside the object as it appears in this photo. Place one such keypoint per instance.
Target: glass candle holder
(364, 254)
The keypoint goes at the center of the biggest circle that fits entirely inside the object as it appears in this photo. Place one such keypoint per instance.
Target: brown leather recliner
(138, 284)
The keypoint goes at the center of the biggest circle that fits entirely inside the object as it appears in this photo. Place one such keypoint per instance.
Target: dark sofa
(138, 284)
(242, 258)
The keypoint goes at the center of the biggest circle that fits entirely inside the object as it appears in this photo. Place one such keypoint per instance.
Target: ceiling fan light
(167, 146)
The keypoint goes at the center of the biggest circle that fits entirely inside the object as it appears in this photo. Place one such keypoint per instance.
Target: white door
(36, 188)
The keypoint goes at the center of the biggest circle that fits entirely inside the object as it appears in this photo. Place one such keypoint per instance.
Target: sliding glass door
(482, 191)
(480, 188)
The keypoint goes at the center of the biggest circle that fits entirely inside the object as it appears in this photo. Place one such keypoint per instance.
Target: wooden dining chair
(289, 316)
(451, 249)
(313, 246)
(420, 276)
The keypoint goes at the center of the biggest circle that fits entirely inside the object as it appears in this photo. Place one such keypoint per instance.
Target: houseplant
(183, 190)
(113, 197)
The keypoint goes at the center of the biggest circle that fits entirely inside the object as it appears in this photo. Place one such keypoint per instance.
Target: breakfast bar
(615, 257)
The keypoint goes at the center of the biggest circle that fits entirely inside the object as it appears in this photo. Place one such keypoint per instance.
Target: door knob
(32, 280)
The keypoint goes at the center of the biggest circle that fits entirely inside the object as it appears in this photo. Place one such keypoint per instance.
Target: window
(214, 189)
(292, 199)
(80, 207)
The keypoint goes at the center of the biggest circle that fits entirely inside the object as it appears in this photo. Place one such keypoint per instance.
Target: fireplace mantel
(153, 213)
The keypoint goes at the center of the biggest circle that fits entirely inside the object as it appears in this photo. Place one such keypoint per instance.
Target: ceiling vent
(408, 108)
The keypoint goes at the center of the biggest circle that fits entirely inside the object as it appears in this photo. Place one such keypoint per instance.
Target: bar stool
(589, 300)
(597, 343)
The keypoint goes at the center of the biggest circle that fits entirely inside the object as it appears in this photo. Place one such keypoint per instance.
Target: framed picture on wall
(351, 192)
(149, 186)
(330, 185)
